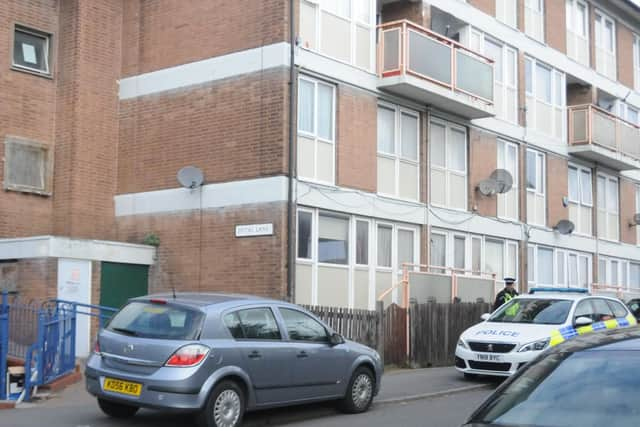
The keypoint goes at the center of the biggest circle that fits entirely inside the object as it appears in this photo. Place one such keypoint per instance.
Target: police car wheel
(468, 376)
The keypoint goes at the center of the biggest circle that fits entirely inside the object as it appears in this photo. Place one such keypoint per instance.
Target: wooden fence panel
(435, 329)
(361, 326)
(395, 335)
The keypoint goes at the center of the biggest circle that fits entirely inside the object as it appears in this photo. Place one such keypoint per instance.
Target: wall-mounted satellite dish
(503, 180)
(487, 187)
(190, 177)
(564, 226)
(635, 220)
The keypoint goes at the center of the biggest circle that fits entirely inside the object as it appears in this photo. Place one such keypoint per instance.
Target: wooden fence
(435, 329)
(395, 335)
(362, 326)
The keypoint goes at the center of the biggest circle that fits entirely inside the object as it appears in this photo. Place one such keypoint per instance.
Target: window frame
(357, 220)
(580, 203)
(314, 135)
(605, 209)
(448, 127)
(284, 323)
(603, 18)
(503, 164)
(505, 19)
(313, 238)
(340, 216)
(557, 78)
(636, 62)
(565, 281)
(397, 155)
(540, 160)
(236, 310)
(47, 72)
(535, 10)
(10, 143)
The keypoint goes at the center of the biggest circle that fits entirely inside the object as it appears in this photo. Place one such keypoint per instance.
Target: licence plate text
(489, 357)
(124, 387)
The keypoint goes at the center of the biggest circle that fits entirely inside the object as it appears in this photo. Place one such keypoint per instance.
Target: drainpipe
(291, 201)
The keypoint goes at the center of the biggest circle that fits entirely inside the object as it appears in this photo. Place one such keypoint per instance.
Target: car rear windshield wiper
(125, 331)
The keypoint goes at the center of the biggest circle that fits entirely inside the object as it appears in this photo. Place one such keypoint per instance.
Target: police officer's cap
(509, 281)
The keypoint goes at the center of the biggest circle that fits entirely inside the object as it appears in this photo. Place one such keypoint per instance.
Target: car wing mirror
(335, 339)
(583, 321)
(485, 316)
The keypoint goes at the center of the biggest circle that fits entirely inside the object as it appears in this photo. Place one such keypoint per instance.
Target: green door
(119, 282)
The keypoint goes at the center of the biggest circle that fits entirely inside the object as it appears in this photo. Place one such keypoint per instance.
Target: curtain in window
(304, 235)
(384, 246)
(405, 247)
(305, 106)
(362, 242)
(333, 240)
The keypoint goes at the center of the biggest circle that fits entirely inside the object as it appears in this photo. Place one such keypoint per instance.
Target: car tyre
(360, 391)
(117, 410)
(224, 408)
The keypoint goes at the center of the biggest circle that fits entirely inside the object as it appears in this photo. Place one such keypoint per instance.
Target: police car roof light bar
(560, 290)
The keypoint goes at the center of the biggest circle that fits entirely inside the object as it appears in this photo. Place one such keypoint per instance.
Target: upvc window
(31, 50)
(636, 62)
(534, 19)
(507, 12)
(545, 266)
(558, 267)
(577, 17)
(341, 29)
(362, 242)
(305, 234)
(333, 239)
(634, 275)
(605, 45)
(448, 155)
(628, 113)
(580, 198)
(608, 208)
(637, 211)
(505, 85)
(536, 188)
(508, 160)
(614, 272)
(545, 93)
(398, 152)
(316, 130)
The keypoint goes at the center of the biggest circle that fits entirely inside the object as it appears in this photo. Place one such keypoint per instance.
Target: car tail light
(158, 301)
(96, 348)
(189, 355)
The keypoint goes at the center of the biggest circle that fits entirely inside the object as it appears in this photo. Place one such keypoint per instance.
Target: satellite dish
(190, 177)
(503, 179)
(564, 226)
(487, 187)
(636, 219)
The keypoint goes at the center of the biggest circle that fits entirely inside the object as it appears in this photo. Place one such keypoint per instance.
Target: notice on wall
(74, 284)
(253, 230)
(29, 53)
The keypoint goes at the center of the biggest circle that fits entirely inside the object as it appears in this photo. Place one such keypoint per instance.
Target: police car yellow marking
(561, 335)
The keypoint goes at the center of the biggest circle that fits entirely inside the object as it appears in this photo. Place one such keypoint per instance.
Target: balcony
(422, 65)
(599, 136)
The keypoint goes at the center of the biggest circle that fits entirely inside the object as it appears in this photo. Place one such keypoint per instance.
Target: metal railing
(624, 293)
(405, 48)
(589, 124)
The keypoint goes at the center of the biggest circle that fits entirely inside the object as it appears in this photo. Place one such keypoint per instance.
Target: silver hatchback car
(219, 355)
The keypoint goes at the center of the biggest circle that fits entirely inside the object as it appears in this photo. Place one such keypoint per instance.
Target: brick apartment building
(394, 112)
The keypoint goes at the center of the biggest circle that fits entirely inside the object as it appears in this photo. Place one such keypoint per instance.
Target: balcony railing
(409, 49)
(591, 125)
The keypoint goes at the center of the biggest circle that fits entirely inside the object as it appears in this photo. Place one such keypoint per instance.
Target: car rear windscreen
(162, 321)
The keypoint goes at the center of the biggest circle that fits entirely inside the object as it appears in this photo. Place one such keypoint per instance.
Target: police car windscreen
(535, 311)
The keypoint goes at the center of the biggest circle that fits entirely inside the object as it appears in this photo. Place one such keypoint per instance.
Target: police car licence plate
(489, 357)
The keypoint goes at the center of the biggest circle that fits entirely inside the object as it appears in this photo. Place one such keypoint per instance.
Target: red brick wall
(163, 33)
(357, 139)
(555, 25)
(413, 11)
(487, 6)
(624, 54)
(211, 258)
(27, 110)
(627, 210)
(37, 278)
(483, 159)
(232, 129)
(557, 188)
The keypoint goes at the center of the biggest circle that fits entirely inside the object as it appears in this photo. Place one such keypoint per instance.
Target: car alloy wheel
(361, 390)
(227, 409)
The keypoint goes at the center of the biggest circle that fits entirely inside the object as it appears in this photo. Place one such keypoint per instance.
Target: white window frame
(560, 282)
(502, 12)
(47, 50)
(356, 220)
(397, 156)
(478, 42)
(558, 100)
(601, 19)
(636, 62)
(313, 236)
(618, 266)
(446, 170)
(503, 164)
(571, 7)
(534, 13)
(538, 193)
(637, 212)
(605, 209)
(354, 23)
(314, 135)
(580, 202)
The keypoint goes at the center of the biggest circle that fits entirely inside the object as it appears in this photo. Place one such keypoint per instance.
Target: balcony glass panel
(429, 58)
(629, 139)
(604, 130)
(391, 59)
(474, 75)
(579, 118)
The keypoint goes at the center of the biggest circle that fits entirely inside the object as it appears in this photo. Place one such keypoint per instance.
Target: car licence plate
(489, 357)
(123, 387)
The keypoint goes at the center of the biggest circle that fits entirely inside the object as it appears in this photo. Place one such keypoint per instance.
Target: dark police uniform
(506, 294)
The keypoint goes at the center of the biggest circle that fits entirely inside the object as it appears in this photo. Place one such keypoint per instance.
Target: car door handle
(255, 355)
(303, 354)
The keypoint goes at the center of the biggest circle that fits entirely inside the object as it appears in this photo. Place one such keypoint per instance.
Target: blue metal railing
(4, 344)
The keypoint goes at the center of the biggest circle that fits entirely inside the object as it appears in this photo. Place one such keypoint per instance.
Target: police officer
(507, 294)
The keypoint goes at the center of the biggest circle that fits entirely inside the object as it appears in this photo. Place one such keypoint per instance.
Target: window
(28, 166)
(476, 255)
(601, 310)
(459, 249)
(605, 45)
(506, 11)
(494, 257)
(558, 267)
(398, 164)
(385, 234)
(362, 242)
(534, 19)
(614, 272)
(634, 275)
(438, 250)
(580, 199)
(316, 131)
(545, 266)
(333, 239)
(508, 160)
(405, 247)
(608, 212)
(628, 113)
(304, 234)
(638, 212)
(448, 165)
(577, 31)
(302, 327)
(505, 91)
(166, 322)
(341, 29)
(536, 186)
(31, 50)
(636, 62)
(561, 268)
(545, 99)
(253, 324)
(617, 308)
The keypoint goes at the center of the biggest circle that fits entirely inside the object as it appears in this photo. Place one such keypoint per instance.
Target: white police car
(520, 329)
